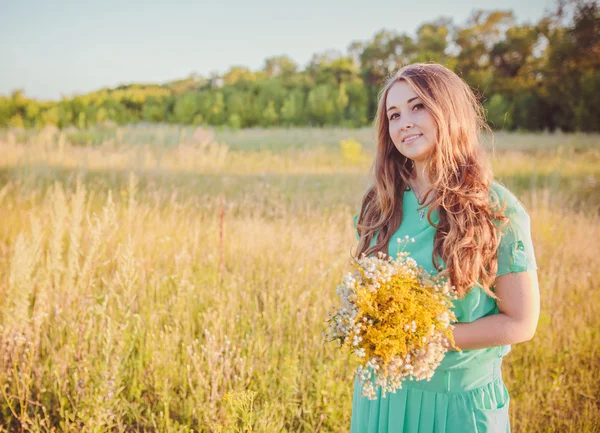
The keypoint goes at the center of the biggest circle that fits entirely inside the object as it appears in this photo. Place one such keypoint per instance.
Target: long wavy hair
(466, 237)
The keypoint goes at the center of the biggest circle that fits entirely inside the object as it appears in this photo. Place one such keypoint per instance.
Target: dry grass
(193, 297)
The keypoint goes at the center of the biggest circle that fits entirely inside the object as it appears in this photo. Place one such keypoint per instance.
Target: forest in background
(531, 76)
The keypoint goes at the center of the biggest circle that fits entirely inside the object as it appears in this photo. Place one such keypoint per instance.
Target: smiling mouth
(411, 138)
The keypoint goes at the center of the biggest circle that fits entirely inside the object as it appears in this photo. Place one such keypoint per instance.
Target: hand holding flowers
(396, 318)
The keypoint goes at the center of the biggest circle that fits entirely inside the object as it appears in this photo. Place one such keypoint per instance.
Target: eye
(394, 114)
(418, 107)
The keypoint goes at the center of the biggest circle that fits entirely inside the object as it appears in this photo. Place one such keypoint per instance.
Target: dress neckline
(419, 209)
(408, 188)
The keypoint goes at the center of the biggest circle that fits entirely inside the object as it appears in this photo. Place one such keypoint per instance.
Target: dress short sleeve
(515, 252)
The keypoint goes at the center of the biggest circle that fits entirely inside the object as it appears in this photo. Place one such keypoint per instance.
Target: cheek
(430, 122)
(393, 130)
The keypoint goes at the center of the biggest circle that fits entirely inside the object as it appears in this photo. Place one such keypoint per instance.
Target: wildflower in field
(395, 317)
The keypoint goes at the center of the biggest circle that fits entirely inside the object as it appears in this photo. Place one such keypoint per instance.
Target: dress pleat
(441, 413)
(397, 411)
(374, 416)
(426, 417)
(384, 415)
(413, 410)
(415, 399)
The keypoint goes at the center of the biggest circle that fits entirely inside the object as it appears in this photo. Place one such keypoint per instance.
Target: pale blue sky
(49, 48)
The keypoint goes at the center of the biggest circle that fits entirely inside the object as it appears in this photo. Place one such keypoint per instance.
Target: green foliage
(293, 111)
(498, 112)
(185, 108)
(321, 105)
(587, 110)
(269, 115)
(534, 76)
(235, 121)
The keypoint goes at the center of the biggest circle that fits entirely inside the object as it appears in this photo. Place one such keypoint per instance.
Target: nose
(406, 123)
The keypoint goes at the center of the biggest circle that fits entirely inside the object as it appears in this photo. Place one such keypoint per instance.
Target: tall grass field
(170, 279)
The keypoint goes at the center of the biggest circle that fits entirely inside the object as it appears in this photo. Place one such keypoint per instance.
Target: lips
(411, 138)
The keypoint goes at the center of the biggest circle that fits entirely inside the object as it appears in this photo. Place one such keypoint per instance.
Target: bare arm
(519, 310)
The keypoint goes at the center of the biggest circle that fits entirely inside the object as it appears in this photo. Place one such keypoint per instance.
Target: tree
(238, 73)
(270, 116)
(186, 108)
(341, 102)
(6, 111)
(433, 37)
(475, 43)
(387, 52)
(513, 52)
(154, 110)
(499, 114)
(321, 105)
(280, 66)
(292, 111)
(358, 100)
(217, 110)
(573, 60)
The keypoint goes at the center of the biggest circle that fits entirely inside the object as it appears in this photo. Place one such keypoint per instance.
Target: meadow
(173, 279)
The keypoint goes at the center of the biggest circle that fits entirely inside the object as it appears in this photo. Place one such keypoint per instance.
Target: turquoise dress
(466, 393)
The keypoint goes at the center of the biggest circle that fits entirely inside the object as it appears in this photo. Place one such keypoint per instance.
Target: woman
(433, 183)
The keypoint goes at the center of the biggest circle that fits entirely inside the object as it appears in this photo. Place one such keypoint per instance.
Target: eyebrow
(408, 102)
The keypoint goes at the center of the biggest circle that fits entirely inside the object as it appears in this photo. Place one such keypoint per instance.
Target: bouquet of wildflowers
(396, 318)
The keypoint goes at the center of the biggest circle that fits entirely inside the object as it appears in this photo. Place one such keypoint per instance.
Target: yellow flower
(396, 318)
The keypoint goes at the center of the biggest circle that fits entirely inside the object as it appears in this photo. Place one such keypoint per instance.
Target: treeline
(542, 76)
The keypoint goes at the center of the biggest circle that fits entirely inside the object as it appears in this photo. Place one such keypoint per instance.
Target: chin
(416, 156)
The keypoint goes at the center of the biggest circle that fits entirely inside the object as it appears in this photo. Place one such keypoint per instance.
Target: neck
(421, 180)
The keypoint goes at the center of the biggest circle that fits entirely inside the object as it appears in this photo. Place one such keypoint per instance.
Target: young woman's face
(411, 125)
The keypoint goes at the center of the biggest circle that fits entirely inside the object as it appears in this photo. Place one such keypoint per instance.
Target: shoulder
(501, 196)
(515, 250)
